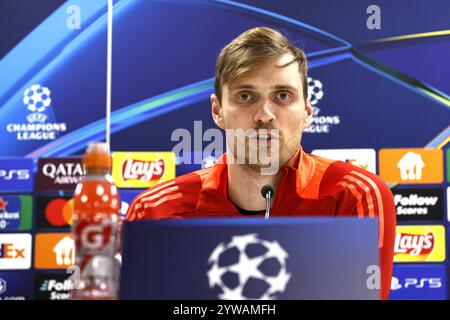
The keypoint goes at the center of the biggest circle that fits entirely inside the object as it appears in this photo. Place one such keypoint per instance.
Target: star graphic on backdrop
(3, 204)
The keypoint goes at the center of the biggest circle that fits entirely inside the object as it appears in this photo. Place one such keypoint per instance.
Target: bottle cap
(97, 156)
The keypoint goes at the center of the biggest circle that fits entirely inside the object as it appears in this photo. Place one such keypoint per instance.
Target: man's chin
(263, 168)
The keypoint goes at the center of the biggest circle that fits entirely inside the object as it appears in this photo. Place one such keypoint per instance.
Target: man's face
(270, 97)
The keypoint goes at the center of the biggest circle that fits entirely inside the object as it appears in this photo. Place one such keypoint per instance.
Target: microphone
(268, 192)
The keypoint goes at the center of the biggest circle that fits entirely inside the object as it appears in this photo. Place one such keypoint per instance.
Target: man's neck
(244, 186)
(245, 183)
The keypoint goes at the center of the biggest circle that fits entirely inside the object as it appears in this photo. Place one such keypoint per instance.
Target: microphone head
(267, 190)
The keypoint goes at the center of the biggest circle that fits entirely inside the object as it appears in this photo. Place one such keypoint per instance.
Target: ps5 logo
(416, 283)
(21, 174)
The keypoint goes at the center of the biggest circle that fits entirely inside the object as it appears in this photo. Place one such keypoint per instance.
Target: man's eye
(283, 96)
(244, 97)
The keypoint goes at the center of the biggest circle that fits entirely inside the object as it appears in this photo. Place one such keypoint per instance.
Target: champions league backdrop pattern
(380, 97)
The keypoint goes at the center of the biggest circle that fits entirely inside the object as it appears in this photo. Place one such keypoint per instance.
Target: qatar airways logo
(59, 173)
(414, 244)
(144, 171)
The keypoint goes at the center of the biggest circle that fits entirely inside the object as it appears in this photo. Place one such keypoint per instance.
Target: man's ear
(216, 111)
(309, 111)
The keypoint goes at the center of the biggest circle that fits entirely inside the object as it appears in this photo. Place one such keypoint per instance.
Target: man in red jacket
(261, 89)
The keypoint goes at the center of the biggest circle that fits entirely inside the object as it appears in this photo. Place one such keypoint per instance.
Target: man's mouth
(265, 136)
(264, 139)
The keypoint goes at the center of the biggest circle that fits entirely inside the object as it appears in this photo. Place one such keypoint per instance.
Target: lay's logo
(419, 244)
(142, 169)
(414, 244)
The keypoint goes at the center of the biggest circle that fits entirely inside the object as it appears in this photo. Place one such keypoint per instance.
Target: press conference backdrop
(379, 85)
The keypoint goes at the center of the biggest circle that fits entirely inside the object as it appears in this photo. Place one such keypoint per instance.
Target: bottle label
(96, 247)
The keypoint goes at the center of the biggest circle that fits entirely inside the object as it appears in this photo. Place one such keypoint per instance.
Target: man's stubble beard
(276, 155)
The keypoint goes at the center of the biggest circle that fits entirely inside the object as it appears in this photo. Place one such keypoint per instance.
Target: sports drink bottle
(95, 227)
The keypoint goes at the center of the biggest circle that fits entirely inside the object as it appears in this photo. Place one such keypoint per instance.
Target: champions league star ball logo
(315, 89)
(248, 268)
(37, 99)
(321, 123)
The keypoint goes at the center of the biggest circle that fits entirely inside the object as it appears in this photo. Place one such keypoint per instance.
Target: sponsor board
(59, 173)
(418, 282)
(54, 251)
(419, 244)
(52, 286)
(54, 212)
(16, 285)
(16, 175)
(15, 212)
(15, 251)
(419, 204)
(142, 169)
(362, 158)
(411, 166)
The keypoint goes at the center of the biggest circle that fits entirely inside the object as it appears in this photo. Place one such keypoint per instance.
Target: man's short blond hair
(252, 48)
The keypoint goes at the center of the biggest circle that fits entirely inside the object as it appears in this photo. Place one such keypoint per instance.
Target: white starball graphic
(248, 264)
(315, 89)
(37, 98)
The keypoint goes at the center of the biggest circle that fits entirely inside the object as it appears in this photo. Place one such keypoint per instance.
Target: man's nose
(264, 113)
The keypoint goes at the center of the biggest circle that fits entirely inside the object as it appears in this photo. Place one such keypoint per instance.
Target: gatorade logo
(93, 236)
(15, 251)
(142, 169)
(411, 166)
(419, 244)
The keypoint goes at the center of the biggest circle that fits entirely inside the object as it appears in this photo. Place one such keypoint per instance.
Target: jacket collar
(214, 194)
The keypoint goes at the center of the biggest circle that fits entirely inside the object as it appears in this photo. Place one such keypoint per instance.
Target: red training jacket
(311, 186)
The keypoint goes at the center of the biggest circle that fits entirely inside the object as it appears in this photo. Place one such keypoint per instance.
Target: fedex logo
(16, 175)
(15, 251)
(418, 282)
(9, 251)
